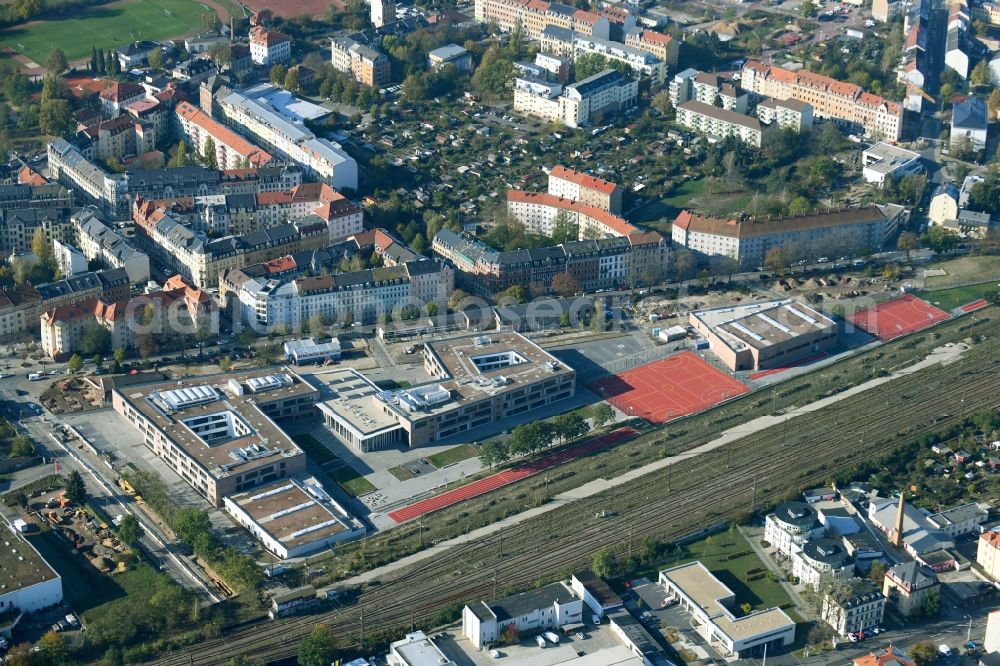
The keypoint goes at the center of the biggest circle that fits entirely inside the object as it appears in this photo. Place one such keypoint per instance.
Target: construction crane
(914, 88)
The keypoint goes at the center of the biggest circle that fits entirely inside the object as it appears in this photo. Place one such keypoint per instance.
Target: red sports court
(664, 390)
(501, 479)
(898, 317)
(975, 305)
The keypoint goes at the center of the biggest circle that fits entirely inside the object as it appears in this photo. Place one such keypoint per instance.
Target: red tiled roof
(992, 538)
(223, 134)
(266, 38)
(119, 91)
(655, 37)
(582, 179)
(771, 225)
(888, 657)
(613, 222)
(582, 16)
(26, 176)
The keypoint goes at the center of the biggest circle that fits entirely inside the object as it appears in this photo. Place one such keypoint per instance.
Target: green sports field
(107, 27)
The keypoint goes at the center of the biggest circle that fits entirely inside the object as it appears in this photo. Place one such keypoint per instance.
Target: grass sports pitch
(108, 26)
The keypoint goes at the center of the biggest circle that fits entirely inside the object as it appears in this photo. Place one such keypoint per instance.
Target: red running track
(518, 473)
(896, 318)
(668, 389)
(975, 305)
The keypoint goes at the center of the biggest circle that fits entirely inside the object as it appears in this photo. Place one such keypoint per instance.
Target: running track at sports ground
(501, 479)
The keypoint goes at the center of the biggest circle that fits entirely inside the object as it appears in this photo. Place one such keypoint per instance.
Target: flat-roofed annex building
(292, 518)
(29, 583)
(710, 604)
(479, 379)
(771, 334)
(218, 432)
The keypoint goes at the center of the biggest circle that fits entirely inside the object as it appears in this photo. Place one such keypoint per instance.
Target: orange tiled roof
(223, 134)
(611, 221)
(27, 176)
(582, 179)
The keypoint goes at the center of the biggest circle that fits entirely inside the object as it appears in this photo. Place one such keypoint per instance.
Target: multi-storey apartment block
(534, 15)
(576, 186)
(720, 123)
(602, 95)
(538, 212)
(660, 45)
(101, 241)
(366, 65)
(844, 102)
(232, 151)
(789, 113)
(268, 47)
(643, 62)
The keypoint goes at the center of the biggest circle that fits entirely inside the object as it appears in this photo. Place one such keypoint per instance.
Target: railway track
(755, 470)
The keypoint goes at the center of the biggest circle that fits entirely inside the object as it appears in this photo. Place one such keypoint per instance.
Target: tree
(25, 9)
(776, 259)
(924, 653)
(589, 64)
(684, 264)
(980, 75)
(516, 294)
(21, 446)
(41, 247)
(932, 604)
(180, 157)
(102, 63)
(94, 68)
(431, 308)
(564, 228)
(602, 415)
(291, 81)
(907, 242)
(808, 9)
(75, 363)
(570, 426)
(56, 63)
(55, 117)
(129, 530)
(493, 453)
(939, 239)
(76, 489)
(54, 649)
(95, 340)
(116, 65)
(155, 58)
(993, 103)
(566, 285)
(211, 160)
(317, 649)
(277, 74)
(495, 73)
(225, 364)
(876, 573)
(604, 563)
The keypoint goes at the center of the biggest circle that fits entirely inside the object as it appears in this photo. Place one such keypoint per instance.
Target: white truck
(552, 637)
(540, 641)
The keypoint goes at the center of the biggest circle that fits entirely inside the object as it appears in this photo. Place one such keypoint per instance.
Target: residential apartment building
(120, 137)
(194, 70)
(268, 47)
(178, 309)
(539, 212)
(534, 15)
(69, 260)
(383, 12)
(93, 185)
(366, 65)
(232, 151)
(806, 236)
(844, 102)
(853, 605)
(169, 239)
(118, 95)
(719, 123)
(886, 10)
(602, 95)
(590, 190)
(988, 553)
(26, 208)
(642, 62)
(218, 433)
(322, 159)
(660, 45)
(944, 205)
(101, 241)
(907, 585)
(820, 562)
(605, 263)
(790, 525)
(246, 212)
(548, 607)
(21, 307)
(291, 290)
(968, 123)
(789, 113)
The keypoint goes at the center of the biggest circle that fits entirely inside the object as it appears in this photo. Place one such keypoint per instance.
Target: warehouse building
(218, 432)
(292, 518)
(478, 380)
(28, 582)
(769, 334)
(308, 350)
(712, 604)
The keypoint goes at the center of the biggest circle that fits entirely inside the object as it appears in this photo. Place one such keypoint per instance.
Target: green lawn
(314, 448)
(452, 456)
(353, 483)
(949, 299)
(714, 552)
(107, 27)
(401, 473)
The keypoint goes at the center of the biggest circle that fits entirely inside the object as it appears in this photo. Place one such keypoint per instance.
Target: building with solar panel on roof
(219, 433)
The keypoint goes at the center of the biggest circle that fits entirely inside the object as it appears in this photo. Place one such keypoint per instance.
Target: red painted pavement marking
(507, 477)
(975, 305)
